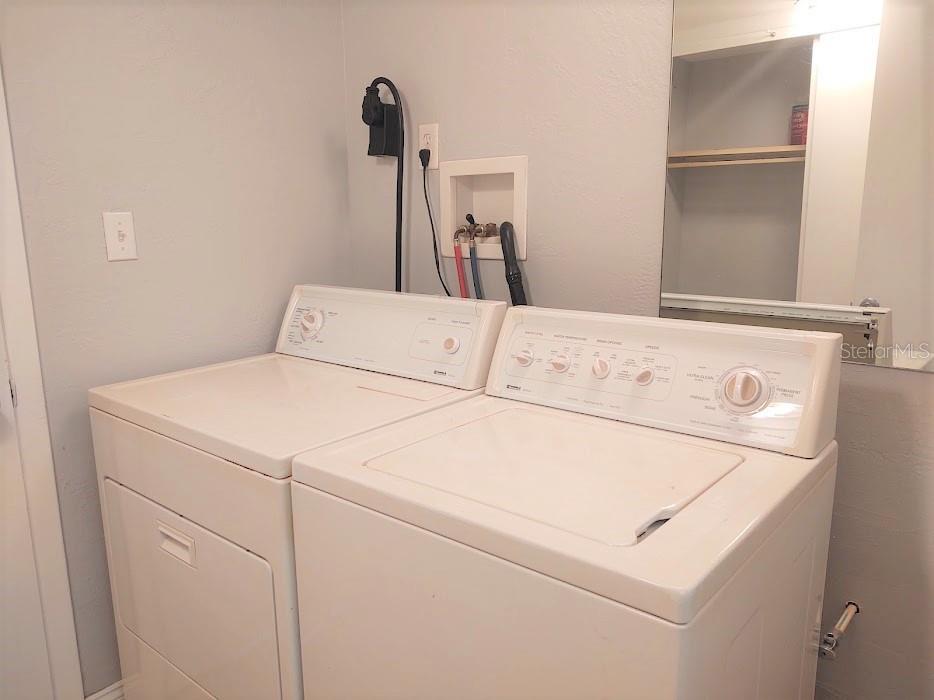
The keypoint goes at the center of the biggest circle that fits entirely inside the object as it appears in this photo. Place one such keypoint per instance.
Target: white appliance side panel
(758, 637)
(673, 375)
(392, 611)
(200, 601)
(430, 615)
(435, 339)
(147, 676)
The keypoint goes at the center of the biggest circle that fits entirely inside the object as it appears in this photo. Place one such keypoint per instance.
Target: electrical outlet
(119, 235)
(428, 138)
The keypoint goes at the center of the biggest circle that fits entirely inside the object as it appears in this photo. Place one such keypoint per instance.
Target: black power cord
(399, 170)
(424, 155)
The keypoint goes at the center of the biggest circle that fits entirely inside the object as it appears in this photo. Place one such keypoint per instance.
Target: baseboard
(111, 692)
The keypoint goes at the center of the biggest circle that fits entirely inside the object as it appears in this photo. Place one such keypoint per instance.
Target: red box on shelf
(799, 125)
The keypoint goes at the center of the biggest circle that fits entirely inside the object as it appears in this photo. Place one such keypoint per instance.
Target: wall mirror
(800, 189)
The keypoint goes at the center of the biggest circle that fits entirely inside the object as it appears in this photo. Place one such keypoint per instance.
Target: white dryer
(638, 509)
(194, 470)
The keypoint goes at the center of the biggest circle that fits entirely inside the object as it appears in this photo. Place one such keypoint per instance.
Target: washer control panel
(445, 341)
(605, 367)
(762, 387)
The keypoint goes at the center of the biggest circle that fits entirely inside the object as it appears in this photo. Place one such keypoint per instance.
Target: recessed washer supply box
(493, 190)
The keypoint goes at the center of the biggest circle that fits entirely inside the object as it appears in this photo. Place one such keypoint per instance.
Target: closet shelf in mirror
(756, 155)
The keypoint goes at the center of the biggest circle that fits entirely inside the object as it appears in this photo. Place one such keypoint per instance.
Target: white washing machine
(638, 509)
(194, 470)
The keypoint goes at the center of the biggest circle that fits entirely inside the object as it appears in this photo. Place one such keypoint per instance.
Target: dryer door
(201, 602)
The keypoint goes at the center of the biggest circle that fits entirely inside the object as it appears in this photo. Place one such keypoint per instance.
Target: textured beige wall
(882, 540)
(216, 124)
(580, 88)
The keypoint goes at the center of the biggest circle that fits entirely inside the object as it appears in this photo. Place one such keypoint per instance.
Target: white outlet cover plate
(119, 235)
(428, 138)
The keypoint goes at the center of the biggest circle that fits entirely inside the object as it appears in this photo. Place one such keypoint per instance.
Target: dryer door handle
(176, 543)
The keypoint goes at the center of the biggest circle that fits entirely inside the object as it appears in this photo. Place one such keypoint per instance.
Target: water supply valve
(828, 644)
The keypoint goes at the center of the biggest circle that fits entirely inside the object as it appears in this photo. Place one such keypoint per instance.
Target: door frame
(32, 427)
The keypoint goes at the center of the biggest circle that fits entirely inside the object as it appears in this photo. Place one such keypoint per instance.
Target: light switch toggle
(119, 235)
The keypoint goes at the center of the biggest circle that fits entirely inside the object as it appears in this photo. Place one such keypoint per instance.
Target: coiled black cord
(399, 172)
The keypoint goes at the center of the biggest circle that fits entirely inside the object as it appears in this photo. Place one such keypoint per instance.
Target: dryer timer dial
(744, 390)
(311, 323)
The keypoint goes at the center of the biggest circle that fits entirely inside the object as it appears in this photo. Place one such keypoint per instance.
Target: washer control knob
(560, 363)
(312, 322)
(601, 368)
(744, 390)
(451, 344)
(645, 376)
(524, 358)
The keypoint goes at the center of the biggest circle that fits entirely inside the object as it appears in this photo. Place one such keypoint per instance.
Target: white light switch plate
(428, 138)
(119, 234)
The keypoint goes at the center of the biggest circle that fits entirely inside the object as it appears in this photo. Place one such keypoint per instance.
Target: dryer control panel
(435, 339)
(768, 388)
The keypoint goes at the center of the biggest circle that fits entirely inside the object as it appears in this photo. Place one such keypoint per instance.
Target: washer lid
(584, 477)
(262, 411)
(567, 495)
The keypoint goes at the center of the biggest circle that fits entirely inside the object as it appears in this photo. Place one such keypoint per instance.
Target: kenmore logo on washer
(513, 387)
(441, 372)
